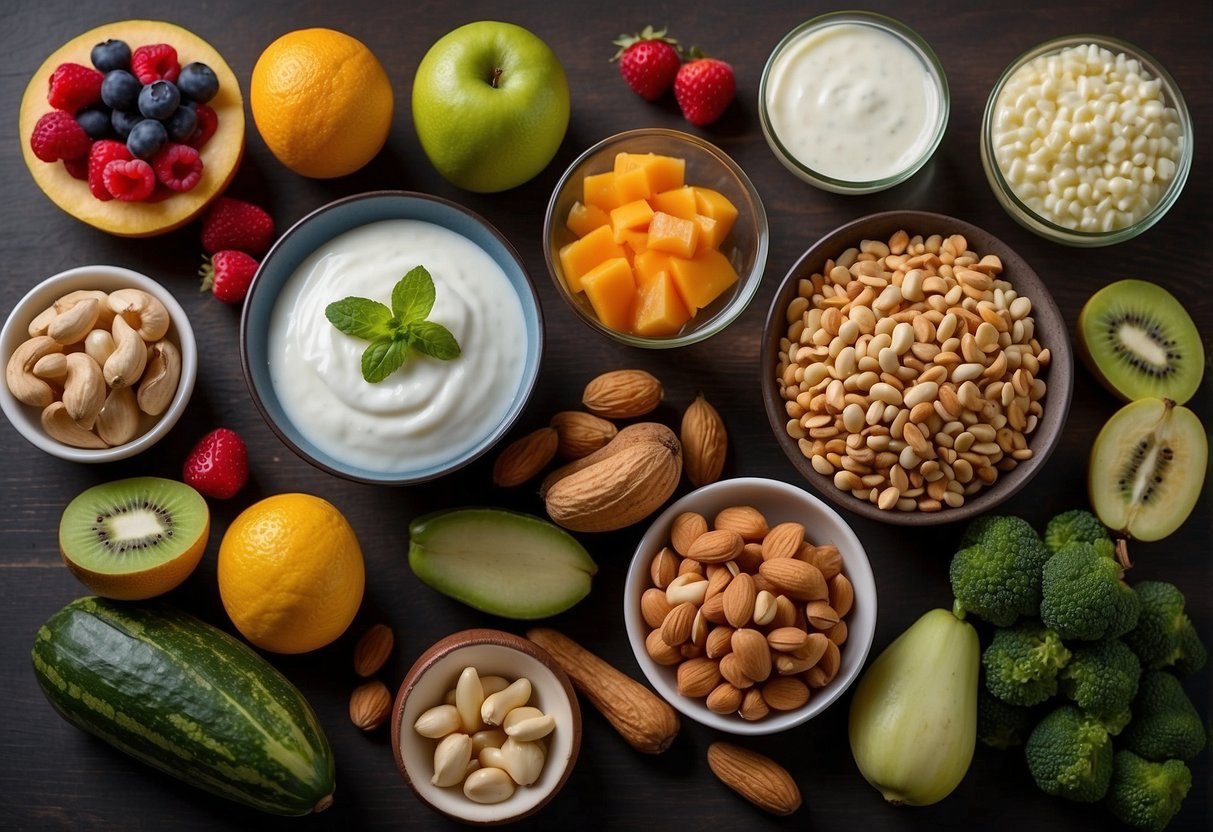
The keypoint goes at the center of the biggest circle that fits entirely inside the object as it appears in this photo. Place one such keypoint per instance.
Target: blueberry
(124, 122)
(120, 90)
(146, 138)
(159, 99)
(110, 55)
(198, 81)
(183, 122)
(96, 122)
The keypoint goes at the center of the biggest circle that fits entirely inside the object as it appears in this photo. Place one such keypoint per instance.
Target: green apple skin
(490, 105)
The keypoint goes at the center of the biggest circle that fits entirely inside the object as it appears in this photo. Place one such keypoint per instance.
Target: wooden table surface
(53, 776)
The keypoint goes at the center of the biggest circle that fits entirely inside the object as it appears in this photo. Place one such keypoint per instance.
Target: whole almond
(757, 778)
(718, 581)
(719, 642)
(841, 595)
(676, 628)
(787, 639)
(685, 529)
(704, 442)
(787, 664)
(838, 633)
(524, 458)
(659, 651)
(822, 673)
(622, 394)
(753, 706)
(580, 433)
(636, 434)
(821, 615)
(654, 607)
(716, 546)
(753, 654)
(747, 521)
(713, 609)
(785, 693)
(785, 612)
(373, 649)
(370, 704)
(697, 677)
(687, 565)
(801, 581)
(783, 541)
(664, 567)
(750, 558)
(739, 598)
(827, 558)
(730, 669)
(724, 699)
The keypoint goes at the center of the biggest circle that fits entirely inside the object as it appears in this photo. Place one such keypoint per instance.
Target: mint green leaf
(434, 340)
(382, 358)
(413, 296)
(359, 317)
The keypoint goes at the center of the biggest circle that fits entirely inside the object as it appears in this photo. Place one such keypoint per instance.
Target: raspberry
(157, 62)
(58, 136)
(208, 123)
(77, 168)
(104, 152)
(73, 86)
(178, 167)
(130, 181)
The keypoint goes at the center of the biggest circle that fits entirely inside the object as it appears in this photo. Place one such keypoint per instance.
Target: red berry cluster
(234, 234)
(651, 63)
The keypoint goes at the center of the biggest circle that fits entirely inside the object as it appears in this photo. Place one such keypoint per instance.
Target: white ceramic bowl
(26, 419)
(491, 652)
(779, 502)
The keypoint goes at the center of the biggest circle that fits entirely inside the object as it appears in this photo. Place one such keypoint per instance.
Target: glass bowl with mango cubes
(656, 238)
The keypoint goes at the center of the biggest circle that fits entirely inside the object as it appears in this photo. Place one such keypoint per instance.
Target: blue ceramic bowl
(321, 226)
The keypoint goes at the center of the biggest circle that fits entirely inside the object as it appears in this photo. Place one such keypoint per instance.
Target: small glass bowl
(887, 25)
(706, 166)
(1045, 227)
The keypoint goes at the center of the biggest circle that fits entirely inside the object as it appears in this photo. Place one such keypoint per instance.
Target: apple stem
(496, 75)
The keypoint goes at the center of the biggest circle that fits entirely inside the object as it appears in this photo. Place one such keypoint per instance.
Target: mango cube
(599, 189)
(709, 233)
(611, 291)
(632, 184)
(648, 264)
(673, 234)
(579, 256)
(635, 242)
(663, 172)
(633, 216)
(716, 205)
(701, 279)
(660, 310)
(583, 219)
(678, 202)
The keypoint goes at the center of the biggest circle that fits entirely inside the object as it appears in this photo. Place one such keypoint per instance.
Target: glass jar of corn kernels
(1086, 140)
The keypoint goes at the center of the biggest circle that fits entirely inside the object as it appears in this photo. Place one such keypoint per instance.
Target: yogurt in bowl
(430, 416)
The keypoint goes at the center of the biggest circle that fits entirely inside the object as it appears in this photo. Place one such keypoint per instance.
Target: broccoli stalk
(1022, 663)
(1083, 594)
(1144, 794)
(1102, 677)
(1069, 754)
(1166, 725)
(996, 575)
(1164, 636)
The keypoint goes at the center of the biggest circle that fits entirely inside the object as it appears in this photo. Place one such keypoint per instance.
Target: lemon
(291, 573)
(321, 101)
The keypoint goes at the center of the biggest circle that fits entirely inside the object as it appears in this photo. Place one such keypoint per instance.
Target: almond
(688, 565)
(690, 651)
(659, 651)
(822, 673)
(827, 558)
(622, 394)
(785, 693)
(787, 639)
(698, 677)
(664, 567)
(753, 706)
(750, 558)
(753, 654)
(719, 641)
(785, 612)
(579, 434)
(730, 669)
(765, 607)
(639, 433)
(685, 529)
(783, 541)
(747, 521)
(841, 595)
(718, 581)
(704, 442)
(799, 580)
(787, 664)
(739, 598)
(838, 633)
(676, 628)
(654, 607)
(716, 546)
(713, 609)
(524, 458)
(757, 778)
(814, 648)
(821, 615)
(691, 586)
(370, 704)
(724, 699)
(373, 649)
(618, 491)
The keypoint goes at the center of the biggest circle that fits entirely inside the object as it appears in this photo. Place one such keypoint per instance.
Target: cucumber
(187, 699)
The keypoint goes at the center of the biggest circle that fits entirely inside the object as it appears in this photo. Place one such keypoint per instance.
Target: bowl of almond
(750, 605)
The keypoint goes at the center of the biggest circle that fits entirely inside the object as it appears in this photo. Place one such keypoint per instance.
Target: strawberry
(228, 275)
(73, 86)
(218, 465)
(156, 62)
(648, 62)
(58, 136)
(234, 224)
(102, 153)
(703, 88)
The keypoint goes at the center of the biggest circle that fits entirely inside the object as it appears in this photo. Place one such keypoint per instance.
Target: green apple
(490, 104)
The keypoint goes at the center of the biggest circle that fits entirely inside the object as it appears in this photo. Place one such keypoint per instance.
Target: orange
(291, 573)
(321, 101)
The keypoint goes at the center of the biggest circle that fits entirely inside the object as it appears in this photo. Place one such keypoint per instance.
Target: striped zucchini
(188, 699)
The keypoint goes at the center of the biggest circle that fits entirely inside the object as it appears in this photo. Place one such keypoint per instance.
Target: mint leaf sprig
(395, 332)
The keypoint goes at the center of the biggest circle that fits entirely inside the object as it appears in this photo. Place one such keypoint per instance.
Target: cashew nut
(42, 321)
(118, 421)
(100, 345)
(125, 365)
(159, 384)
(19, 375)
(142, 311)
(74, 324)
(51, 367)
(83, 389)
(62, 428)
(104, 318)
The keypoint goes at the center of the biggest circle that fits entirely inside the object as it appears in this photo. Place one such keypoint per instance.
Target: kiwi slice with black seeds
(1147, 468)
(134, 538)
(1139, 341)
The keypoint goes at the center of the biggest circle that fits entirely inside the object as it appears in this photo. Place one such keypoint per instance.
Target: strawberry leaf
(433, 339)
(413, 296)
(382, 358)
(360, 317)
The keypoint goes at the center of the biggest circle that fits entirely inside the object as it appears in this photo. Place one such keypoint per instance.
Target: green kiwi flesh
(132, 525)
(1139, 341)
(1147, 468)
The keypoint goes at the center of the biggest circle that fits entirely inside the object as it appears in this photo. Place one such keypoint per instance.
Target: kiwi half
(135, 538)
(1139, 341)
(1147, 468)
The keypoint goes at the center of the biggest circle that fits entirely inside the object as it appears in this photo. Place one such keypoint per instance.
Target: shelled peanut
(752, 616)
(97, 364)
(490, 738)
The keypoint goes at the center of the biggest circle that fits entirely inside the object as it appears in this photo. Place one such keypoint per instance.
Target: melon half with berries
(166, 210)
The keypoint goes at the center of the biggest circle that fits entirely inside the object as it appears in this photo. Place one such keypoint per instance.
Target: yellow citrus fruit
(321, 101)
(291, 573)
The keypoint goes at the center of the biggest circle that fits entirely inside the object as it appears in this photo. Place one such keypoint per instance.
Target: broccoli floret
(1077, 526)
(1000, 724)
(1083, 594)
(1102, 677)
(997, 576)
(1147, 795)
(1070, 755)
(1165, 723)
(1022, 663)
(1164, 635)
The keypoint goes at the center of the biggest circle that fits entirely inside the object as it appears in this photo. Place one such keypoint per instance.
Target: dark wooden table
(55, 777)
